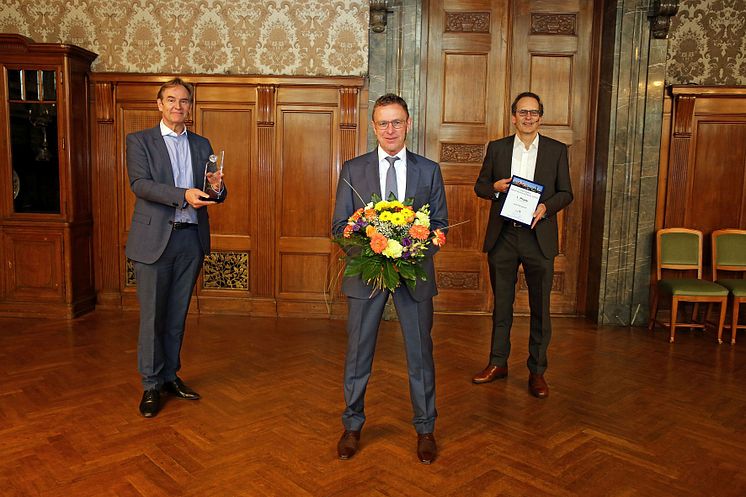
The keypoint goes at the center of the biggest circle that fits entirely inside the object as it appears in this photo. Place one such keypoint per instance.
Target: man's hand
(541, 209)
(194, 197)
(501, 185)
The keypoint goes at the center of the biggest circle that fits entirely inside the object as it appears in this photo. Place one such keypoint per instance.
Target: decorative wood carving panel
(553, 24)
(462, 152)
(467, 22)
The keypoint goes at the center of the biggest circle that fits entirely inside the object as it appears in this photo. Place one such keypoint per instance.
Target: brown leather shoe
(426, 448)
(347, 445)
(490, 373)
(538, 386)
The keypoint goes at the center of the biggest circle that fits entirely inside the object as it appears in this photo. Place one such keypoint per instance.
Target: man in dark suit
(390, 168)
(542, 160)
(169, 237)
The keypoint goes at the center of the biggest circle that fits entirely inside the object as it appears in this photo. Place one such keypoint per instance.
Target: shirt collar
(166, 131)
(517, 143)
(402, 154)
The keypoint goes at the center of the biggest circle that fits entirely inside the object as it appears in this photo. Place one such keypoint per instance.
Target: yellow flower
(382, 205)
(385, 216)
(398, 219)
(393, 249)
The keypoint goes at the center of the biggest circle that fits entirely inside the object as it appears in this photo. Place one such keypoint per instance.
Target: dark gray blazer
(552, 171)
(424, 185)
(152, 182)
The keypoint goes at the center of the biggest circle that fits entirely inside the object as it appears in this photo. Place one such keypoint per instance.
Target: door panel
(471, 79)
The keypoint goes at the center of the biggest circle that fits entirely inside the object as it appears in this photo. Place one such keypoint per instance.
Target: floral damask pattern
(283, 37)
(708, 43)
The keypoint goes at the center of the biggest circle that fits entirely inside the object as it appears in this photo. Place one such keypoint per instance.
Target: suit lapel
(541, 169)
(160, 154)
(372, 180)
(413, 175)
(198, 171)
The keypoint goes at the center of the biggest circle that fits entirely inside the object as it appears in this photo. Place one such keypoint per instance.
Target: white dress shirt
(400, 167)
(524, 160)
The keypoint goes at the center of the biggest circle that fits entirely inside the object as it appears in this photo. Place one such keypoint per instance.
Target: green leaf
(390, 275)
(370, 269)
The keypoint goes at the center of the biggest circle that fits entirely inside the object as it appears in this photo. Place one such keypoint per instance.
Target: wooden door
(481, 53)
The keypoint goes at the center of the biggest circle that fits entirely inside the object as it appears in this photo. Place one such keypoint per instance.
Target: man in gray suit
(542, 160)
(169, 237)
(390, 168)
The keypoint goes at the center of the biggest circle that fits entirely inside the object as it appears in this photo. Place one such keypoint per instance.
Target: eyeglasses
(526, 112)
(396, 123)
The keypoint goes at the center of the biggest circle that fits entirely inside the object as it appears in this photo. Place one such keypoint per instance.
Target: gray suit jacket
(552, 171)
(152, 181)
(424, 185)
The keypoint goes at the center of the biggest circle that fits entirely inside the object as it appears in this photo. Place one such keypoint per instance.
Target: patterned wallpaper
(280, 37)
(707, 43)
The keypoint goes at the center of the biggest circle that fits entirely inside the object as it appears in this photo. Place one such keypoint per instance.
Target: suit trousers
(164, 290)
(518, 245)
(416, 320)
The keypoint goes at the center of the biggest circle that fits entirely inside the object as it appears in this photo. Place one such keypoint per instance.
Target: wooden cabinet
(45, 180)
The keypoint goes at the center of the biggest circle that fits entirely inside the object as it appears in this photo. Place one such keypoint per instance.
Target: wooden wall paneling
(267, 163)
(717, 175)
(308, 156)
(284, 138)
(230, 273)
(551, 56)
(702, 180)
(106, 196)
(677, 188)
(466, 77)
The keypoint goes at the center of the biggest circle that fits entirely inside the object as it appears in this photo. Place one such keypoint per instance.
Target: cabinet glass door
(33, 140)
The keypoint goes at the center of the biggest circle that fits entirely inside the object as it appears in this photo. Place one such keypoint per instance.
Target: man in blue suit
(538, 158)
(169, 237)
(391, 168)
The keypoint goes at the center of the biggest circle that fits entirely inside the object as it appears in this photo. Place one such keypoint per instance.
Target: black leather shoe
(347, 445)
(150, 403)
(426, 448)
(178, 389)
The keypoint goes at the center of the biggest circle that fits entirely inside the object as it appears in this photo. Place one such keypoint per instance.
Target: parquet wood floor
(628, 414)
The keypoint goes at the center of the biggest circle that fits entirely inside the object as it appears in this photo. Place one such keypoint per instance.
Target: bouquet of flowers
(392, 239)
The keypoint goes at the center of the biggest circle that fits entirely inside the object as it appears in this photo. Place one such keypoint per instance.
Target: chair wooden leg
(734, 320)
(653, 310)
(674, 312)
(721, 320)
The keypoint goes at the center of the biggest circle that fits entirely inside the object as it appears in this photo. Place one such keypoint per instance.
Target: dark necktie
(391, 185)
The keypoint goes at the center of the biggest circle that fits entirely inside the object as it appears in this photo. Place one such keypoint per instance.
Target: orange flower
(419, 232)
(370, 213)
(357, 214)
(370, 230)
(348, 231)
(440, 238)
(378, 243)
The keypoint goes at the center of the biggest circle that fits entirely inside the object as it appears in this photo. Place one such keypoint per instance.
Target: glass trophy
(214, 166)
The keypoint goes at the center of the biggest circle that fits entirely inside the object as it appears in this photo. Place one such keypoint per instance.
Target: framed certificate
(521, 200)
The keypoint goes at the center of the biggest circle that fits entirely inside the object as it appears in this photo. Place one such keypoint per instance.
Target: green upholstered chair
(729, 255)
(680, 249)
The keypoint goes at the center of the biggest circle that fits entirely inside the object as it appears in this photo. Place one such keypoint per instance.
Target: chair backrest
(728, 251)
(678, 248)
